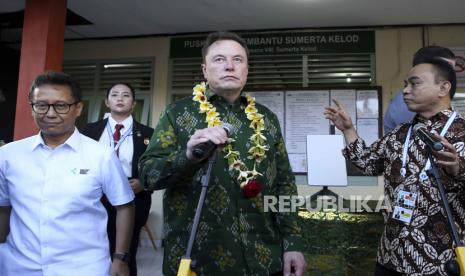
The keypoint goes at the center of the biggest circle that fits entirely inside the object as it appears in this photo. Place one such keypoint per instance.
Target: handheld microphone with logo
(426, 137)
(205, 149)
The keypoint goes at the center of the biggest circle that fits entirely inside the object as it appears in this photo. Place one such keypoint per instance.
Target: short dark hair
(221, 35)
(443, 72)
(133, 92)
(58, 78)
(429, 52)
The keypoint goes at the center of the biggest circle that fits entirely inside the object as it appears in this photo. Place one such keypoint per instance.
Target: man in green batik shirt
(235, 236)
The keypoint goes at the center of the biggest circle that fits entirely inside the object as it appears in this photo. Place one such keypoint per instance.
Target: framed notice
(367, 129)
(301, 113)
(304, 115)
(298, 162)
(274, 100)
(348, 99)
(367, 104)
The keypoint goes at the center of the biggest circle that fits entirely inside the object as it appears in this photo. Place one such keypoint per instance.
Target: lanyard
(121, 140)
(423, 175)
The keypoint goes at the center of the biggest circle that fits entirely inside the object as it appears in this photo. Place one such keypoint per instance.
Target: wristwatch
(123, 256)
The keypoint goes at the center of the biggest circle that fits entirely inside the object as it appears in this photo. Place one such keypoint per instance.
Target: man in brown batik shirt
(416, 239)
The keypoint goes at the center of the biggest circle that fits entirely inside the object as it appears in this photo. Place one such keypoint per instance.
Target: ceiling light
(348, 79)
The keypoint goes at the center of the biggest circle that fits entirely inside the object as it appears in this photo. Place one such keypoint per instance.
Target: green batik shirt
(235, 236)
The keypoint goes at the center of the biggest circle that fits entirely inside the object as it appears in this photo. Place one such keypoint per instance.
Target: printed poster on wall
(304, 116)
(298, 162)
(367, 104)
(347, 98)
(368, 130)
(274, 100)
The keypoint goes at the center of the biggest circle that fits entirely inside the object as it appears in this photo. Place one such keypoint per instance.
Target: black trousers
(142, 202)
(381, 270)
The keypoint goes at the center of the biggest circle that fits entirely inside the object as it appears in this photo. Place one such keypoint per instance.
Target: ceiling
(125, 18)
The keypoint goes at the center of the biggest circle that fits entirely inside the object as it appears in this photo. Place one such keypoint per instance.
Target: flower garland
(257, 151)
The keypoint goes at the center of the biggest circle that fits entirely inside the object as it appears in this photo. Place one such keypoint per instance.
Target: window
(95, 77)
(284, 71)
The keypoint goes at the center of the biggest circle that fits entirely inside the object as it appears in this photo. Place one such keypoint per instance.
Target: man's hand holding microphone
(204, 141)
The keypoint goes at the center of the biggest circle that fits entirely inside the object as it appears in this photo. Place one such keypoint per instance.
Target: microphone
(422, 132)
(206, 149)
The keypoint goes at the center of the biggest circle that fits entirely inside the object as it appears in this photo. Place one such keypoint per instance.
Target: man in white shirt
(51, 216)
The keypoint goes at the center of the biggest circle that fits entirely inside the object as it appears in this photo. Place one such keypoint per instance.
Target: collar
(212, 97)
(73, 141)
(126, 122)
(438, 117)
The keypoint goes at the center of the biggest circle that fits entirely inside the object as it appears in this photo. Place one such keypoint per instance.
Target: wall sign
(286, 43)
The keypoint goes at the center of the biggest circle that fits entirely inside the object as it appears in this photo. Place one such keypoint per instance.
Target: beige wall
(450, 36)
(395, 48)
(394, 52)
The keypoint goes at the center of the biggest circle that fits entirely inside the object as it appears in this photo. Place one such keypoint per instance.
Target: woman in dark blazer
(129, 144)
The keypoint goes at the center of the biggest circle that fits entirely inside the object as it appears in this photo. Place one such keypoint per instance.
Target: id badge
(402, 214)
(404, 206)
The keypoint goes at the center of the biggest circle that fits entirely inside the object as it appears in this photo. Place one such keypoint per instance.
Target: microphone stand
(185, 267)
(453, 267)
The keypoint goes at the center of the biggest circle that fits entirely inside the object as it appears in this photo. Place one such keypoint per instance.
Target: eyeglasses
(60, 108)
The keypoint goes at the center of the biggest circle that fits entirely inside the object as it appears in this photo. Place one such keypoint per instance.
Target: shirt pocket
(77, 191)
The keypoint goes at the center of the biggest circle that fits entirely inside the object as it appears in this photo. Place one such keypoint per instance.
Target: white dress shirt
(58, 224)
(126, 147)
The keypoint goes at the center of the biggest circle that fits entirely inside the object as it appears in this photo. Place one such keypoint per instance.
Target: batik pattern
(423, 246)
(235, 237)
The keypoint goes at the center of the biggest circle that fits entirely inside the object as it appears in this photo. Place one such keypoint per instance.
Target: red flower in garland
(252, 188)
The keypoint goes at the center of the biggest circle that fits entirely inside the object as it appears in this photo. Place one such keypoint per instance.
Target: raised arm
(338, 115)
